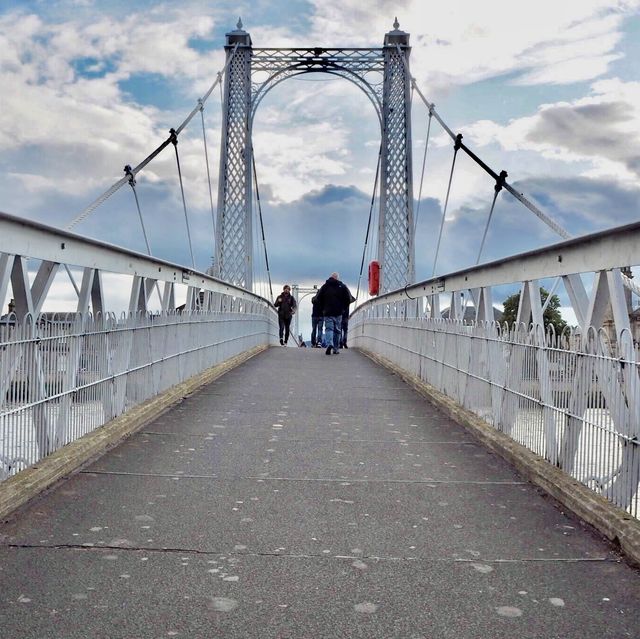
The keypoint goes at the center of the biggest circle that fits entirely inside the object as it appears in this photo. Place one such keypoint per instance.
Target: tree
(551, 313)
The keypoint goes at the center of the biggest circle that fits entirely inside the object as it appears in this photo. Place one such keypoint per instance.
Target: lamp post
(306, 291)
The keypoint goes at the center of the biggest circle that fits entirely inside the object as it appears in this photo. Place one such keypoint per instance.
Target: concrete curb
(613, 522)
(27, 484)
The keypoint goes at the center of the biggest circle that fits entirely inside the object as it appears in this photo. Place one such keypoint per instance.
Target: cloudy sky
(548, 91)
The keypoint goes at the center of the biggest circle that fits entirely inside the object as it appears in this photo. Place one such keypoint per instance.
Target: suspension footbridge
(165, 472)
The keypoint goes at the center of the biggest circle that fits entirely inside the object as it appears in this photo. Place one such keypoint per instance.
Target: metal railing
(572, 398)
(64, 375)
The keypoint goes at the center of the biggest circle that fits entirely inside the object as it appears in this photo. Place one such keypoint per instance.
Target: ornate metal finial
(396, 24)
(239, 25)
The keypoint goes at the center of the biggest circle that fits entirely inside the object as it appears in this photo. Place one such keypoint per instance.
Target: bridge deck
(302, 495)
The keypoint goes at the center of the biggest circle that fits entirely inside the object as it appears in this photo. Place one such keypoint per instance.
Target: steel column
(395, 224)
(234, 245)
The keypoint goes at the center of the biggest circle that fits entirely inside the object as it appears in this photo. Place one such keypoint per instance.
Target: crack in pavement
(196, 551)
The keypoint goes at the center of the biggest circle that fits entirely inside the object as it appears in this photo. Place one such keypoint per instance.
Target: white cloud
(85, 128)
(300, 160)
(57, 109)
(304, 137)
(464, 41)
(601, 131)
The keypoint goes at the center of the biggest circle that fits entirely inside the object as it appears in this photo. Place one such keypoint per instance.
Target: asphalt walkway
(307, 496)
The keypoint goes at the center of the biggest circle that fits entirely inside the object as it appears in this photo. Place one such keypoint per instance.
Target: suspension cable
(424, 163)
(519, 196)
(366, 237)
(120, 183)
(456, 148)
(256, 264)
(205, 97)
(132, 183)
(174, 141)
(206, 157)
(497, 188)
(374, 210)
(260, 272)
(264, 242)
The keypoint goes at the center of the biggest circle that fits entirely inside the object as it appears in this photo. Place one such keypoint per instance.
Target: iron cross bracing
(363, 67)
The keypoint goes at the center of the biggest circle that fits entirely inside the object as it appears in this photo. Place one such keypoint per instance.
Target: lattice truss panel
(234, 232)
(363, 67)
(396, 211)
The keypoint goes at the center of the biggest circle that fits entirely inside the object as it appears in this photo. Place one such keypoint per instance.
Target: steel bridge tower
(390, 96)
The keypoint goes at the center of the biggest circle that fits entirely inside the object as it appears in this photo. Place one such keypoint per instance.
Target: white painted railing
(64, 375)
(574, 398)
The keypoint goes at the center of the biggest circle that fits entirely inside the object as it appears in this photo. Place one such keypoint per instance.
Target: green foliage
(551, 314)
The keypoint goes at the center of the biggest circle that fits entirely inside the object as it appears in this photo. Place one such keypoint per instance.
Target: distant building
(44, 318)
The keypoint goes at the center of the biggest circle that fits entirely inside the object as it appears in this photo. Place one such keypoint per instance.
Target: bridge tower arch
(383, 75)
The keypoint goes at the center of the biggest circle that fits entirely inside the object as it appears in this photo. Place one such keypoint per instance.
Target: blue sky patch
(152, 89)
(499, 99)
(93, 68)
(627, 66)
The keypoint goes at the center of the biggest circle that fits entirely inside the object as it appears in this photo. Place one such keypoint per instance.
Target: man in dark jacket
(317, 322)
(333, 298)
(345, 320)
(286, 305)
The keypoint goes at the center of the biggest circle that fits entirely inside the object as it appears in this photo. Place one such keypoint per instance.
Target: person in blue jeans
(333, 297)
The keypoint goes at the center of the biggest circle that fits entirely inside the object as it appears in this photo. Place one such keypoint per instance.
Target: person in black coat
(286, 305)
(345, 321)
(333, 297)
(317, 322)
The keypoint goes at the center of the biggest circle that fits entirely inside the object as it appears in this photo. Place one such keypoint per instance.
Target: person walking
(345, 319)
(286, 305)
(317, 322)
(333, 298)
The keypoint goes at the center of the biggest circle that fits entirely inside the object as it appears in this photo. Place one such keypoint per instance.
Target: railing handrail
(34, 239)
(602, 250)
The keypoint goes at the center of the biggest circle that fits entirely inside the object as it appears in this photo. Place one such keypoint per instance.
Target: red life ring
(374, 277)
